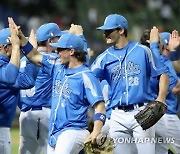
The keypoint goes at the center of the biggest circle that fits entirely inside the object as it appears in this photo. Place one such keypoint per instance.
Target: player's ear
(49, 40)
(121, 31)
(72, 51)
(5, 47)
(148, 41)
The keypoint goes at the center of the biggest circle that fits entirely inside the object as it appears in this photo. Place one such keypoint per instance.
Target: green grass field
(15, 140)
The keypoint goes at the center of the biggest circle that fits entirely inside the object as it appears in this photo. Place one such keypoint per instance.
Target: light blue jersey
(171, 99)
(40, 94)
(73, 91)
(128, 71)
(9, 94)
(7, 68)
(106, 90)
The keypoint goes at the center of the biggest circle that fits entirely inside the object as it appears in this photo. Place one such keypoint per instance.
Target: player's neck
(73, 63)
(122, 42)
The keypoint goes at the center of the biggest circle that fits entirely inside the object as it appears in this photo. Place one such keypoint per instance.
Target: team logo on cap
(8, 40)
(166, 41)
(51, 34)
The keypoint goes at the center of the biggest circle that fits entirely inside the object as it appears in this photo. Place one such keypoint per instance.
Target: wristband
(174, 55)
(27, 48)
(100, 116)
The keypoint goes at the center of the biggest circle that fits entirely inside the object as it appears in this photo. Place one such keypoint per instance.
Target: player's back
(40, 94)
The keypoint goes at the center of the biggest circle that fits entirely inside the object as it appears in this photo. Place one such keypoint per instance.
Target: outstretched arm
(163, 87)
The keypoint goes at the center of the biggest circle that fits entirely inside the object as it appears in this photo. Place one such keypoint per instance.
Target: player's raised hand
(76, 29)
(154, 35)
(21, 36)
(14, 35)
(33, 39)
(174, 40)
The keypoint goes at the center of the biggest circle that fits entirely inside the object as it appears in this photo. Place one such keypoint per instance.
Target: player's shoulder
(86, 70)
(3, 60)
(143, 47)
(102, 57)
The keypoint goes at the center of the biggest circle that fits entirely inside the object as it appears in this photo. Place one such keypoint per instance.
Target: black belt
(35, 108)
(128, 107)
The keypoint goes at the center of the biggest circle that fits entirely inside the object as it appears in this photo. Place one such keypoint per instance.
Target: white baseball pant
(168, 127)
(5, 140)
(106, 127)
(69, 142)
(34, 127)
(124, 127)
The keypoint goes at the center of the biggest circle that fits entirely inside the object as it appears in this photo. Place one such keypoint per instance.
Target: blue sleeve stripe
(151, 59)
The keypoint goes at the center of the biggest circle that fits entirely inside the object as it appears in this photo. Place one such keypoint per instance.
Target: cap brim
(57, 45)
(64, 32)
(105, 28)
(54, 45)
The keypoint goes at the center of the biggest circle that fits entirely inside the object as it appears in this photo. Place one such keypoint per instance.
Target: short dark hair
(145, 36)
(80, 55)
(125, 31)
(42, 43)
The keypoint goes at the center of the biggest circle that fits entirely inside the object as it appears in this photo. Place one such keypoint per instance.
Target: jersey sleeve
(8, 73)
(92, 89)
(27, 74)
(173, 78)
(48, 63)
(97, 67)
(156, 67)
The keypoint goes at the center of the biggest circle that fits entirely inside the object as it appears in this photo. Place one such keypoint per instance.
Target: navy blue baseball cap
(69, 41)
(47, 31)
(165, 36)
(5, 36)
(114, 21)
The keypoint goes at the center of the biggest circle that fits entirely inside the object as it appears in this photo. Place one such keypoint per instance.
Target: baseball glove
(150, 114)
(104, 145)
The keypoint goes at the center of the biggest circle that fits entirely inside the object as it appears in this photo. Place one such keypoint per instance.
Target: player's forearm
(163, 87)
(100, 107)
(35, 57)
(15, 56)
(97, 126)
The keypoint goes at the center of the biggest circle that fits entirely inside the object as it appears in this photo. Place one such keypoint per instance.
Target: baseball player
(68, 120)
(35, 103)
(169, 124)
(9, 92)
(127, 66)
